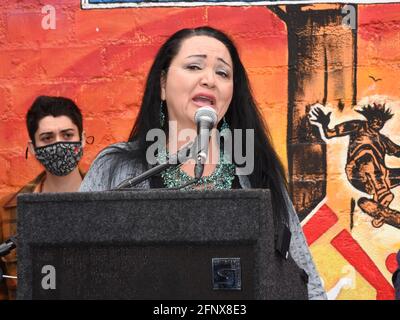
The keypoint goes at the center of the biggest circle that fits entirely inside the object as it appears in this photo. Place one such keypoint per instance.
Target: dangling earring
(224, 125)
(90, 139)
(162, 114)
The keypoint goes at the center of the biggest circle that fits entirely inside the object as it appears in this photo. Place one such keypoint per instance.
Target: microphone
(205, 118)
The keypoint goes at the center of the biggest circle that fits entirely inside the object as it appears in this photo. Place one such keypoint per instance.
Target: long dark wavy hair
(241, 114)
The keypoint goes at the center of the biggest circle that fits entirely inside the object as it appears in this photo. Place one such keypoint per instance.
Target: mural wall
(324, 76)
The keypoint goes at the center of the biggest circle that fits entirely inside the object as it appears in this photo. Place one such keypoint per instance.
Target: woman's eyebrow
(66, 130)
(52, 132)
(197, 56)
(204, 56)
(46, 133)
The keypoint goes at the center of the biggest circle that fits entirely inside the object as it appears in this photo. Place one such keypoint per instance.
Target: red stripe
(321, 222)
(357, 257)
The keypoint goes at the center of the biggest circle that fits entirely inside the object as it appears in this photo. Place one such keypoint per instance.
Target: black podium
(156, 244)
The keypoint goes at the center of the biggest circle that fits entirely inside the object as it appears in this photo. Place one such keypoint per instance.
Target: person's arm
(112, 166)
(339, 130)
(323, 119)
(99, 175)
(3, 287)
(392, 149)
(301, 255)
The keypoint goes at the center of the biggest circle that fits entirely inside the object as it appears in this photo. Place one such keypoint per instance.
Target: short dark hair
(44, 106)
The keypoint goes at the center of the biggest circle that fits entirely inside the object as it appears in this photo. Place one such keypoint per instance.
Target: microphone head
(207, 114)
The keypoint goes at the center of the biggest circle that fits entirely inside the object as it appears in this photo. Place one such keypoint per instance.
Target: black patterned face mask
(60, 158)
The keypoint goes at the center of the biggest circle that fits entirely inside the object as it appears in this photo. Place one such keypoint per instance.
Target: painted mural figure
(365, 166)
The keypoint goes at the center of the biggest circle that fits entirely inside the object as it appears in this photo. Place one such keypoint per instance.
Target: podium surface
(153, 244)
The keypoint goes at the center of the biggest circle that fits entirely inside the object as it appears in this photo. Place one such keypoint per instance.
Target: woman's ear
(163, 83)
(31, 148)
(83, 139)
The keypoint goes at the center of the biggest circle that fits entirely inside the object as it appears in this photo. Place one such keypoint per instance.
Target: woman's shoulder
(117, 152)
(112, 165)
(119, 149)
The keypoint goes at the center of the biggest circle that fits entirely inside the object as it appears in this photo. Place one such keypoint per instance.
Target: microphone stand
(176, 159)
(2, 275)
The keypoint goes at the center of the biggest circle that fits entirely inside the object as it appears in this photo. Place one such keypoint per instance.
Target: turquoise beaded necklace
(221, 178)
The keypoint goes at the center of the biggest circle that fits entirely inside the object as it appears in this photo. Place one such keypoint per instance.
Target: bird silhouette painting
(374, 79)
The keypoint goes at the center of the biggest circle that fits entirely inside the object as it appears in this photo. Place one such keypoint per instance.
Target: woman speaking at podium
(197, 68)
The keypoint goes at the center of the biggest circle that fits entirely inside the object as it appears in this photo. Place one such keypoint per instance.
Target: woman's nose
(208, 78)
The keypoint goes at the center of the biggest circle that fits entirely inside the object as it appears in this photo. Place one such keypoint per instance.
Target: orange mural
(297, 57)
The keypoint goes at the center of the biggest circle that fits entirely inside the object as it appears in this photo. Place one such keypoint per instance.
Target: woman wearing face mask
(57, 138)
(193, 69)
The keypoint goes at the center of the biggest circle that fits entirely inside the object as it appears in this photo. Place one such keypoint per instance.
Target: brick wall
(100, 58)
